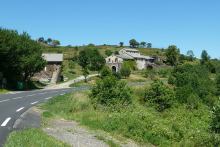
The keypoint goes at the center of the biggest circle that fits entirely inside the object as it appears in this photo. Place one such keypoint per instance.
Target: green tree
(204, 57)
(49, 41)
(108, 52)
(55, 43)
(172, 55)
(191, 55)
(160, 95)
(149, 45)
(41, 39)
(133, 43)
(143, 44)
(85, 73)
(21, 56)
(91, 59)
(121, 44)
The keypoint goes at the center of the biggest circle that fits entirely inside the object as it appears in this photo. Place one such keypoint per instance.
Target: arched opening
(114, 69)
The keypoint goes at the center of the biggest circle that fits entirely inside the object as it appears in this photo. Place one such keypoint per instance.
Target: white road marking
(31, 95)
(20, 109)
(48, 98)
(34, 103)
(17, 98)
(4, 100)
(5, 122)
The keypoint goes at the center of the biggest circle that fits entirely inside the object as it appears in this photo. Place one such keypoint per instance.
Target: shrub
(111, 92)
(125, 71)
(159, 95)
(218, 85)
(194, 79)
(105, 72)
(215, 124)
(171, 80)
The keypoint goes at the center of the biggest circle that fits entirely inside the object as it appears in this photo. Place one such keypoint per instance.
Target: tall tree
(172, 55)
(149, 45)
(22, 57)
(41, 39)
(49, 41)
(204, 57)
(55, 43)
(121, 44)
(143, 44)
(133, 43)
(190, 54)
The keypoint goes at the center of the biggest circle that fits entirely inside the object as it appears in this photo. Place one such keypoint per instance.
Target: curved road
(12, 106)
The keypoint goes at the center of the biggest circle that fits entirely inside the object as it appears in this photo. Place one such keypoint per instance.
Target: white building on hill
(115, 61)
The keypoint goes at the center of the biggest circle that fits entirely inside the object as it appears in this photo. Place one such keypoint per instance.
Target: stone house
(52, 70)
(143, 62)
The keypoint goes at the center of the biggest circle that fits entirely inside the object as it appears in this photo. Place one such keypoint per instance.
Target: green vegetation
(32, 138)
(111, 93)
(174, 108)
(3, 91)
(160, 95)
(20, 57)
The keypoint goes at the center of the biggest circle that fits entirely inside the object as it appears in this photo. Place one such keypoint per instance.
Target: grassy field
(32, 138)
(177, 126)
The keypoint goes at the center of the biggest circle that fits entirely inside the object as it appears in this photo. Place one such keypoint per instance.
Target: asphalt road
(12, 106)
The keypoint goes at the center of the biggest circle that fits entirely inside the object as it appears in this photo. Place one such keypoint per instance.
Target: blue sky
(189, 24)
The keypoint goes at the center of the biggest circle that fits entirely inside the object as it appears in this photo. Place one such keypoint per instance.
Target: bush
(215, 124)
(125, 71)
(111, 92)
(171, 80)
(194, 80)
(159, 95)
(105, 72)
(150, 73)
(218, 85)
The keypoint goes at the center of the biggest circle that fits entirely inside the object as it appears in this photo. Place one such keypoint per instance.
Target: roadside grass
(2, 91)
(177, 126)
(32, 138)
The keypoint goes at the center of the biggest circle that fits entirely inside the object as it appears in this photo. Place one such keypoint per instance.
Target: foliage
(189, 81)
(108, 52)
(217, 80)
(105, 72)
(204, 57)
(125, 70)
(55, 43)
(149, 45)
(133, 43)
(215, 124)
(91, 59)
(143, 44)
(172, 54)
(20, 57)
(191, 55)
(160, 95)
(121, 44)
(177, 126)
(111, 92)
(32, 138)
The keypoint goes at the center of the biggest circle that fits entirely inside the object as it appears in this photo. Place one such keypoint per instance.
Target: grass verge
(177, 126)
(32, 138)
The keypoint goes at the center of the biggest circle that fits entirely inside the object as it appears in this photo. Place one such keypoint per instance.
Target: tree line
(20, 57)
